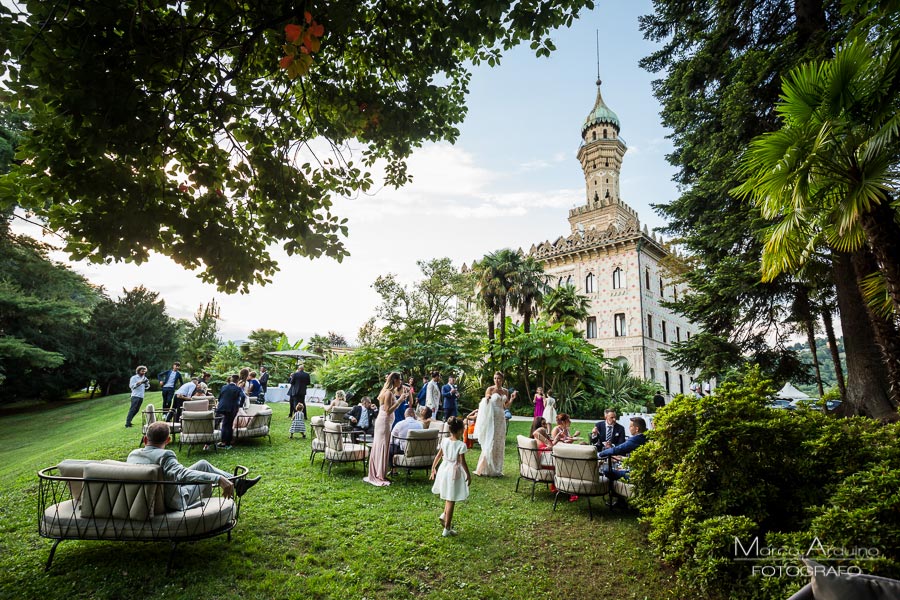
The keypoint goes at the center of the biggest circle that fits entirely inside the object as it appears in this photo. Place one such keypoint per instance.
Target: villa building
(617, 264)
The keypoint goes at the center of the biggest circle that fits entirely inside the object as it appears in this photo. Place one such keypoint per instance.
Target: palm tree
(493, 283)
(529, 289)
(829, 175)
(565, 305)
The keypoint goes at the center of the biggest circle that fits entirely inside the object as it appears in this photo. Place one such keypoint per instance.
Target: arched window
(607, 162)
(617, 278)
(569, 280)
(604, 134)
(589, 284)
(594, 136)
(647, 278)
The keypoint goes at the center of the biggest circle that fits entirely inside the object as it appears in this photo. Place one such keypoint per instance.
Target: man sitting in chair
(184, 497)
(362, 417)
(637, 427)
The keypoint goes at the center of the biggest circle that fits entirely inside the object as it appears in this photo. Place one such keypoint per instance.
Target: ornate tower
(601, 154)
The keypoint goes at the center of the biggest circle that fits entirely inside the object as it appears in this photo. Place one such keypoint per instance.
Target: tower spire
(598, 57)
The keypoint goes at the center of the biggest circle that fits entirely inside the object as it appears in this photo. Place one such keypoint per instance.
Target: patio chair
(338, 414)
(533, 465)
(318, 442)
(421, 448)
(338, 450)
(150, 415)
(577, 473)
(198, 427)
(255, 424)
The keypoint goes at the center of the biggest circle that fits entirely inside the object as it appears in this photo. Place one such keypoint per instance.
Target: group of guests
(490, 422)
(607, 436)
(175, 391)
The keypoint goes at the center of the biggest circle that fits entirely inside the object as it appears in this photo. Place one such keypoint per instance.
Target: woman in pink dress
(538, 403)
(391, 396)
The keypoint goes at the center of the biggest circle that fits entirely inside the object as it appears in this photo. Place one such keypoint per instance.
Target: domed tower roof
(600, 114)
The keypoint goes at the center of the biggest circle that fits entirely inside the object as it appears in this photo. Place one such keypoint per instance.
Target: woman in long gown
(490, 428)
(391, 396)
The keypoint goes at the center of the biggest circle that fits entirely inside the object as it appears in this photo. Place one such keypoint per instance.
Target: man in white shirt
(138, 384)
(183, 393)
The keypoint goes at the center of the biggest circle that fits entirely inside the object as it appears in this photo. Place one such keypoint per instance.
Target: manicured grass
(305, 534)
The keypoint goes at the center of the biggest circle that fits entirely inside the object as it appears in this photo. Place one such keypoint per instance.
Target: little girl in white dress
(451, 480)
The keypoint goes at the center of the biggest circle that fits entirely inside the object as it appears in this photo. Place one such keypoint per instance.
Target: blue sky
(509, 181)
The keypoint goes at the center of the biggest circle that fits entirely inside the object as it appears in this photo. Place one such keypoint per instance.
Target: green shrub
(728, 465)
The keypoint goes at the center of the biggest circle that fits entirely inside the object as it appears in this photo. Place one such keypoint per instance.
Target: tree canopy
(151, 122)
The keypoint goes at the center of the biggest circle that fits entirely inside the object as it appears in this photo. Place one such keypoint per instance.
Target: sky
(508, 182)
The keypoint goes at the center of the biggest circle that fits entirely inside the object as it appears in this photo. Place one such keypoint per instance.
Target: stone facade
(618, 265)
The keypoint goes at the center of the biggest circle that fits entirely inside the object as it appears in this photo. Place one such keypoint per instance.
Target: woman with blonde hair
(392, 395)
(490, 428)
(340, 399)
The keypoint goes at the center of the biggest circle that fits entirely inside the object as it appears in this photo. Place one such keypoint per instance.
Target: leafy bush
(727, 466)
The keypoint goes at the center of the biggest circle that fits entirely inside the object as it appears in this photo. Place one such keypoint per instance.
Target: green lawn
(304, 534)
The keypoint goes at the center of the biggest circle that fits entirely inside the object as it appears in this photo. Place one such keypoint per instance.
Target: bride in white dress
(490, 428)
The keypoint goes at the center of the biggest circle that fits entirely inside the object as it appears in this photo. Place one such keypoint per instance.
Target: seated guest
(340, 399)
(186, 496)
(424, 414)
(540, 431)
(608, 432)
(560, 433)
(362, 417)
(637, 427)
(400, 432)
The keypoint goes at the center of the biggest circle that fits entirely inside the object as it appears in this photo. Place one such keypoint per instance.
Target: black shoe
(242, 485)
(127, 424)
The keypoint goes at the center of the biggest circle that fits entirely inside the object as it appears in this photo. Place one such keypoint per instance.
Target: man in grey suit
(200, 474)
(608, 433)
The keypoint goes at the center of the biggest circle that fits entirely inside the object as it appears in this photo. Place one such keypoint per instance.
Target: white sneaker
(449, 532)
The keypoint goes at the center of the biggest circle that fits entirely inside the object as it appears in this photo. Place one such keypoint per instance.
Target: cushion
(66, 521)
(119, 499)
(74, 468)
(829, 585)
(626, 490)
(334, 437)
(348, 453)
(195, 405)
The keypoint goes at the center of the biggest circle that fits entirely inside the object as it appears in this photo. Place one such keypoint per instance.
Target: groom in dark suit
(608, 432)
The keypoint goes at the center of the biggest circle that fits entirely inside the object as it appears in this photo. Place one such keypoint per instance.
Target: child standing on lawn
(451, 480)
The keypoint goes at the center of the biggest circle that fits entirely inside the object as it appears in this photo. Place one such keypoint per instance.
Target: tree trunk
(502, 324)
(804, 313)
(835, 353)
(886, 337)
(491, 337)
(867, 387)
(526, 321)
(883, 235)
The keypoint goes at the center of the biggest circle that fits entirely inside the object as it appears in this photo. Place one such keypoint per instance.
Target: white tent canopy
(789, 392)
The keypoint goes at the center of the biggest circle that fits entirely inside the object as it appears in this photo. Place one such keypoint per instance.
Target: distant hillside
(825, 364)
